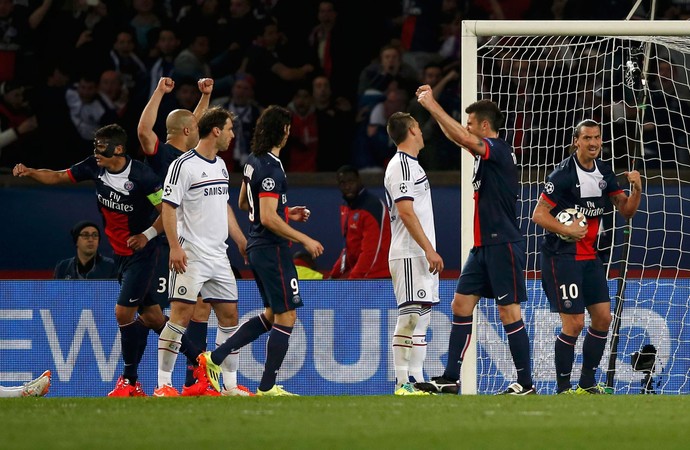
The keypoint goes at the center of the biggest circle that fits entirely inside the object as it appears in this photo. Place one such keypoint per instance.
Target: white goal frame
(471, 31)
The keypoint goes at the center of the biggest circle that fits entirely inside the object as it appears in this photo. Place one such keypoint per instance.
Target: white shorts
(212, 279)
(412, 282)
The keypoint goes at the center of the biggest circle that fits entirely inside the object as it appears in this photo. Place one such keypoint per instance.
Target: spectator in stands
(668, 120)
(113, 92)
(164, 53)
(88, 263)
(16, 26)
(16, 121)
(302, 147)
(88, 110)
(247, 112)
(192, 61)
(144, 20)
(234, 36)
(306, 266)
(419, 37)
(366, 228)
(335, 123)
(377, 78)
(373, 146)
(275, 80)
(439, 153)
(124, 60)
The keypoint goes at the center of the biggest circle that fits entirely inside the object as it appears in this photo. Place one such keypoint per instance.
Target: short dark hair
(398, 126)
(587, 123)
(113, 134)
(270, 129)
(347, 168)
(487, 110)
(212, 118)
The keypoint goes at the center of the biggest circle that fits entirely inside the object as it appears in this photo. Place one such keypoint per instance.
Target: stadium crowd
(68, 67)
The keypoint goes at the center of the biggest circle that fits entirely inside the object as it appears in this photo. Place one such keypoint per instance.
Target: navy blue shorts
(495, 271)
(160, 291)
(572, 285)
(276, 278)
(137, 276)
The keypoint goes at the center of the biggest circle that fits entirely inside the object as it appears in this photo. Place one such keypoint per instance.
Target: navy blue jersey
(588, 191)
(265, 177)
(496, 191)
(164, 154)
(126, 199)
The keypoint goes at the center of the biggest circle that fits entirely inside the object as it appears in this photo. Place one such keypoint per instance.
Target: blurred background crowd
(68, 67)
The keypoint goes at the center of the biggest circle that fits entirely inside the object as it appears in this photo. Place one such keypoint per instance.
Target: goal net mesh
(547, 84)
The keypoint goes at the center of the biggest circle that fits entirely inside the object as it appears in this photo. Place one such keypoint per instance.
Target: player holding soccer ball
(573, 276)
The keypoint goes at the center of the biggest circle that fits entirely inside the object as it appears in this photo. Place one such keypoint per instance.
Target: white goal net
(545, 85)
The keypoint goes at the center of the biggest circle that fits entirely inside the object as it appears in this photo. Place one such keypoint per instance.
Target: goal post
(546, 76)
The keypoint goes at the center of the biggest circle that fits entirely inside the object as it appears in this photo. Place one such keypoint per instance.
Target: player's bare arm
(411, 222)
(178, 257)
(243, 200)
(139, 241)
(147, 138)
(628, 205)
(542, 217)
(206, 88)
(450, 127)
(271, 220)
(43, 176)
(235, 232)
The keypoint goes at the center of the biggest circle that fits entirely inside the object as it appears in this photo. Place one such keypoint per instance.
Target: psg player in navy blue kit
(573, 276)
(495, 266)
(264, 195)
(128, 194)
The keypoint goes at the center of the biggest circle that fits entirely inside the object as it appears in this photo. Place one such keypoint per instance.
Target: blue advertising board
(340, 344)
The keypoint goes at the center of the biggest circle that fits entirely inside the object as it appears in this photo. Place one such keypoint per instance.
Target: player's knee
(226, 313)
(406, 323)
(462, 305)
(573, 324)
(602, 322)
(124, 315)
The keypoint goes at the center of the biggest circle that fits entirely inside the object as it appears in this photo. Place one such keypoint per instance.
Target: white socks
(169, 343)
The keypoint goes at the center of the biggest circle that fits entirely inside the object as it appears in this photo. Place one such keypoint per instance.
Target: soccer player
(198, 220)
(413, 260)
(573, 276)
(38, 387)
(182, 135)
(264, 195)
(129, 194)
(495, 265)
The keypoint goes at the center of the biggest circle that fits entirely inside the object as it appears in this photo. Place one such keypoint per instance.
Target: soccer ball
(569, 216)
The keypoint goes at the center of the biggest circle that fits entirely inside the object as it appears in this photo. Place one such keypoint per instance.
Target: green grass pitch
(348, 422)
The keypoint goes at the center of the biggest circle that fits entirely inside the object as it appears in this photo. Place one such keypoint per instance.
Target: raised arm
(147, 137)
(628, 205)
(206, 88)
(43, 176)
(450, 127)
(411, 222)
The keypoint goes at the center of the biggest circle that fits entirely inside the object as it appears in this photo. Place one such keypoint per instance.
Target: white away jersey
(406, 180)
(199, 188)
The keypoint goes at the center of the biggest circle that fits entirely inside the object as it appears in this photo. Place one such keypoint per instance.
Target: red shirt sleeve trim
(613, 194)
(71, 177)
(268, 194)
(486, 146)
(548, 200)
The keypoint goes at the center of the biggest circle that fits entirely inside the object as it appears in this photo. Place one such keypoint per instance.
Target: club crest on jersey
(421, 293)
(548, 187)
(129, 185)
(296, 299)
(167, 190)
(182, 290)
(225, 173)
(268, 184)
(403, 188)
(602, 184)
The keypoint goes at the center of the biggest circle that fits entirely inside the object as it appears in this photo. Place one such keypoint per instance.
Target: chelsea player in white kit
(414, 263)
(197, 220)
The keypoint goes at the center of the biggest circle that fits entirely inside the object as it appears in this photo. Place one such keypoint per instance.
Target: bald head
(183, 129)
(179, 119)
